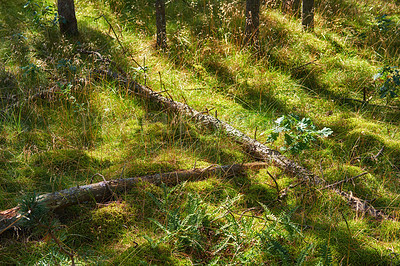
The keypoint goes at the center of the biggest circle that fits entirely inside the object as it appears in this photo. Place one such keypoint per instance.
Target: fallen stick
(344, 181)
(373, 157)
(104, 190)
(254, 148)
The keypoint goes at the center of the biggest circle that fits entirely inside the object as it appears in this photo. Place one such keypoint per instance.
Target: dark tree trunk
(66, 14)
(296, 6)
(252, 21)
(308, 14)
(161, 24)
(291, 7)
(67, 19)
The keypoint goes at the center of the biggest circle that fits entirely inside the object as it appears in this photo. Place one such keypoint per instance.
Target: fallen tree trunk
(102, 191)
(254, 148)
(251, 146)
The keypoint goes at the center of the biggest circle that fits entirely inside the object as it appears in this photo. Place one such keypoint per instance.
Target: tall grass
(59, 126)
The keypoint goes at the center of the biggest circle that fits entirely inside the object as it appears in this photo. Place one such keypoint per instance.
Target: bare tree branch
(104, 190)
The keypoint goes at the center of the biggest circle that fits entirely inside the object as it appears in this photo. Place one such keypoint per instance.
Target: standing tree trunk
(67, 19)
(252, 21)
(296, 6)
(285, 6)
(308, 14)
(291, 7)
(161, 24)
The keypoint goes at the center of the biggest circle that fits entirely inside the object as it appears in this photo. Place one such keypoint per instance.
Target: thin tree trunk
(285, 5)
(291, 7)
(252, 21)
(161, 24)
(308, 14)
(296, 8)
(67, 19)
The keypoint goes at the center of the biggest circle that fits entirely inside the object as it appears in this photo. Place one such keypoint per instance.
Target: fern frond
(303, 254)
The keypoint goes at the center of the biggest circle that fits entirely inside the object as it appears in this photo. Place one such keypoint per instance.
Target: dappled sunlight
(64, 125)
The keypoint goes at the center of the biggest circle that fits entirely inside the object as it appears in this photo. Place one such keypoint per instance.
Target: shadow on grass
(12, 38)
(46, 138)
(348, 248)
(145, 254)
(166, 143)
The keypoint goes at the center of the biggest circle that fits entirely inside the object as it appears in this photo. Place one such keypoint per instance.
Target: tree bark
(67, 19)
(252, 21)
(291, 7)
(308, 14)
(103, 191)
(161, 24)
(296, 8)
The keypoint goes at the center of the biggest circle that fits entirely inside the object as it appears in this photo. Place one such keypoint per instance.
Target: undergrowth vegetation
(61, 126)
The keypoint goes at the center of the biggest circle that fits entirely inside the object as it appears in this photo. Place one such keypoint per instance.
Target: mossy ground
(59, 126)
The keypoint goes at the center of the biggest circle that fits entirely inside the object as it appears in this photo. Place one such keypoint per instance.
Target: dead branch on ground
(104, 190)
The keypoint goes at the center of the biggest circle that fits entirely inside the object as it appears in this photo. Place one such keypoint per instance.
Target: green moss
(213, 190)
(63, 138)
(260, 193)
(146, 255)
(108, 222)
(344, 172)
(139, 198)
(62, 160)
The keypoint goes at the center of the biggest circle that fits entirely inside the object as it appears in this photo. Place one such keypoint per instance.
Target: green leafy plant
(66, 65)
(139, 73)
(191, 229)
(32, 211)
(325, 255)
(384, 23)
(42, 15)
(301, 258)
(66, 90)
(298, 133)
(237, 234)
(32, 71)
(390, 79)
(36, 216)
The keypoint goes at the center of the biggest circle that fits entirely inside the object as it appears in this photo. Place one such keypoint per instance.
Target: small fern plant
(182, 226)
(32, 211)
(277, 236)
(389, 77)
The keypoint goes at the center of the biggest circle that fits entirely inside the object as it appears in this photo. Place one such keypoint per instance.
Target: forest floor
(63, 126)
